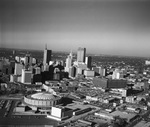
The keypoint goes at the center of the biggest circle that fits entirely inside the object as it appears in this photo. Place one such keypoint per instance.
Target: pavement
(14, 120)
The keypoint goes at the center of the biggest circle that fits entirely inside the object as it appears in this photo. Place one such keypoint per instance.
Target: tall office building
(47, 56)
(68, 62)
(81, 54)
(37, 70)
(72, 71)
(28, 60)
(117, 74)
(26, 76)
(103, 71)
(88, 61)
(17, 58)
(18, 69)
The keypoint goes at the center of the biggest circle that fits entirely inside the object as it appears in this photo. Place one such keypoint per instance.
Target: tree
(119, 122)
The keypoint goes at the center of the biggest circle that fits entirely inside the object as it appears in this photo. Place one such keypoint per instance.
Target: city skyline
(103, 27)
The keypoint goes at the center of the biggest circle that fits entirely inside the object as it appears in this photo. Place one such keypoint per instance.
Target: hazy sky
(119, 27)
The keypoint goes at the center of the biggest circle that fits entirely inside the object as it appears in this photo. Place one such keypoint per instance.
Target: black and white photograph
(74, 63)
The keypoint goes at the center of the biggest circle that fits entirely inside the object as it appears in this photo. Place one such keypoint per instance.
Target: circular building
(41, 100)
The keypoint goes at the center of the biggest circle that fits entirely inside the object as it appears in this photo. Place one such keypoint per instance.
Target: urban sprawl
(72, 93)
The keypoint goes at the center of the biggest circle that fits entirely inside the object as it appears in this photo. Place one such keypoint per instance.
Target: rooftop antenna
(45, 46)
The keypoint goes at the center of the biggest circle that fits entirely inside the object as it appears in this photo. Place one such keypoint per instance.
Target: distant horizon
(75, 52)
(101, 26)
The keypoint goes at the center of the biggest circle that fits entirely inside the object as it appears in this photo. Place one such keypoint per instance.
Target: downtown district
(75, 92)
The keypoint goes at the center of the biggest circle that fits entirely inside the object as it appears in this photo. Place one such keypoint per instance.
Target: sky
(115, 27)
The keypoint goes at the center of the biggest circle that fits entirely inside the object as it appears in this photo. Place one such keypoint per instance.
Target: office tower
(45, 67)
(81, 54)
(26, 76)
(12, 67)
(117, 74)
(88, 61)
(72, 71)
(37, 70)
(89, 73)
(17, 58)
(34, 61)
(18, 69)
(103, 71)
(28, 60)
(68, 63)
(47, 56)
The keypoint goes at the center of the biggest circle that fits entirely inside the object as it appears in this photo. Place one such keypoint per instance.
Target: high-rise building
(68, 62)
(37, 70)
(88, 61)
(26, 76)
(45, 67)
(47, 56)
(117, 74)
(18, 69)
(72, 71)
(34, 61)
(81, 54)
(17, 58)
(103, 71)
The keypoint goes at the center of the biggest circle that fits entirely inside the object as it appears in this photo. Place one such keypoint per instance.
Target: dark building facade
(109, 83)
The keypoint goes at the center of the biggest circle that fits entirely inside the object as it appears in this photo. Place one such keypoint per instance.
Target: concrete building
(88, 62)
(117, 74)
(89, 73)
(68, 62)
(81, 53)
(47, 56)
(26, 76)
(41, 100)
(109, 83)
(37, 70)
(18, 69)
(45, 67)
(59, 113)
(28, 60)
(34, 61)
(72, 71)
(100, 71)
(17, 58)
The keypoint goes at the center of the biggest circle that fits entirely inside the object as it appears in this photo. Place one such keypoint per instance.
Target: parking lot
(7, 117)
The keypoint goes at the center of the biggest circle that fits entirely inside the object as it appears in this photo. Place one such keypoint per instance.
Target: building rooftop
(43, 96)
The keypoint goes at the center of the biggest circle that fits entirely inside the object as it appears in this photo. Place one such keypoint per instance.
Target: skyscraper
(28, 60)
(68, 62)
(81, 54)
(47, 56)
(18, 69)
(88, 61)
(26, 76)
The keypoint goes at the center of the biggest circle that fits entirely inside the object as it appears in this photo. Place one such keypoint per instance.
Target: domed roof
(43, 96)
